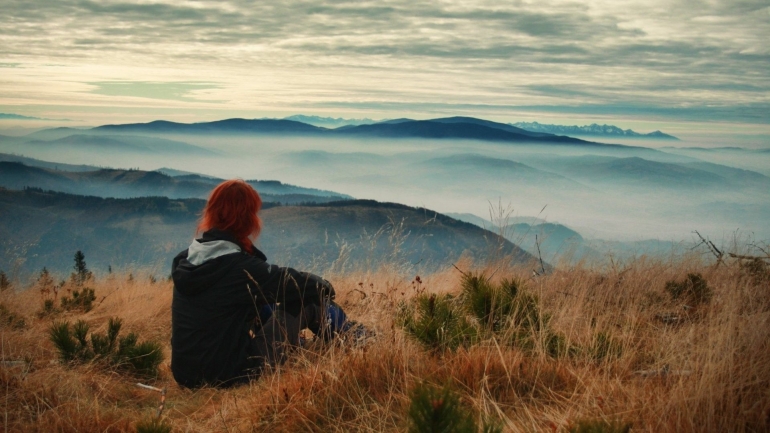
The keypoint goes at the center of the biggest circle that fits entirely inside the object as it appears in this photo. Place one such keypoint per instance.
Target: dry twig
(162, 392)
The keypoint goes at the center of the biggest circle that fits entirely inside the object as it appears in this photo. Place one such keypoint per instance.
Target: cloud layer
(683, 59)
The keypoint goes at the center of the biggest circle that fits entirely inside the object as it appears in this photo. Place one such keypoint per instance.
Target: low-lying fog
(611, 193)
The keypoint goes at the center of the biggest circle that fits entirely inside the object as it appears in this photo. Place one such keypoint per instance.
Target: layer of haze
(612, 193)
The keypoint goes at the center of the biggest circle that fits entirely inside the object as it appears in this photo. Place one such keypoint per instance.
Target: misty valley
(345, 196)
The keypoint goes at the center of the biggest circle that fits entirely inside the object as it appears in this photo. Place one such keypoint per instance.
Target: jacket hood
(199, 252)
(204, 263)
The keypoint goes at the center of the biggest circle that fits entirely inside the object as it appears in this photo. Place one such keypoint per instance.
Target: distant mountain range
(559, 244)
(226, 126)
(18, 117)
(40, 229)
(19, 172)
(13, 116)
(465, 128)
(442, 128)
(329, 122)
(591, 130)
(544, 129)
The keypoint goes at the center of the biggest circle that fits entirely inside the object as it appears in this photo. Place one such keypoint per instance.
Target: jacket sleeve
(287, 286)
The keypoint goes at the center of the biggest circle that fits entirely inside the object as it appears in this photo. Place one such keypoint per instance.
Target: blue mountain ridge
(591, 130)
(468, 128)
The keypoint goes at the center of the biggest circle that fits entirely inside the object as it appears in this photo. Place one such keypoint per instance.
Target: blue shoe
(336, 319)
(346, 330)
(356, 333)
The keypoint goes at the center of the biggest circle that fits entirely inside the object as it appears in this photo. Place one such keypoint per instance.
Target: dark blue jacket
(215, 304)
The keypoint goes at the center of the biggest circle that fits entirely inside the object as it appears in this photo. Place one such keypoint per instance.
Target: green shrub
(693, 288)
(526, 313)
(438, 410)
(142, 358)
(5, 283)
(434, 410)
(154, 425)
(81, 274)
(490, 305)
(757, 270)
(69, 346)
(502, 305)
(49, 309)
(10, 319)
(72, 343)
(510, 313)
(436, 322)
(600, 426)
(82, 299)
(104, 345)
(556, 345)
(483, 310)
(605, 347)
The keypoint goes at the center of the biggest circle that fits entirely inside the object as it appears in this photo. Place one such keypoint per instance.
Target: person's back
(220, 284)
(213, 314)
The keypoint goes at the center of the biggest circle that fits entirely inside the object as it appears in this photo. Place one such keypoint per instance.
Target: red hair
(233, 207)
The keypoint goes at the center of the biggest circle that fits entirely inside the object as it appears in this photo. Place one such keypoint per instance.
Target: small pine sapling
(45, 284)
(153, 425)
(143, 358)
(605, 347)
(436, 322)
(81, 275)
(757, 270)
(692, 289)
(61, 337)
(504, 311)
(434, 410)
(11, 319)
(104, 345)
(600, 426)
(82, 299)
(489, 304)
(70, 342)
(127, 353)
(5, 283)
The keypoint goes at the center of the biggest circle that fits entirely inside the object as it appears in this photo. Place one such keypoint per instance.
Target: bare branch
(162, 391)
(465, 274)
(760, 249)
(540, 256)
(714, 250)
(739, 256)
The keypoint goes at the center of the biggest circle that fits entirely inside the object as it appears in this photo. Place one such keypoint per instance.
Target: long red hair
(233, 207)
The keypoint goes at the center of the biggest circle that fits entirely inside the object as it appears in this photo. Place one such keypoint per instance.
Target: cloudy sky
(637, 63)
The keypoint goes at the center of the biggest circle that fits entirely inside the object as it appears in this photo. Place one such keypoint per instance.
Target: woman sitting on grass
(232, 313)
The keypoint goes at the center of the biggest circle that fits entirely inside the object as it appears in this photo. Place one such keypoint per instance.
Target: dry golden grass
(708, 372)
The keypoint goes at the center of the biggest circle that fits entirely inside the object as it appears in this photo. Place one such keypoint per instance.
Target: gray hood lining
(199, 253)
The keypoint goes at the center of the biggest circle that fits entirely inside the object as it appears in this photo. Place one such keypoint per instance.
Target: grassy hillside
(121, 183)
(40, 228)
(633, 356)
(364, 232)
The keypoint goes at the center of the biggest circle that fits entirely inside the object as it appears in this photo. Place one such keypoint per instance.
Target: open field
(635, 356)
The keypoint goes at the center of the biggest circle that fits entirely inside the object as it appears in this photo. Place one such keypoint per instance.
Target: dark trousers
(280, 333)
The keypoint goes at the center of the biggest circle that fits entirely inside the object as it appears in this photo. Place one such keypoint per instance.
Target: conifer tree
(81, 274)
(45, 281)
(5, 283)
